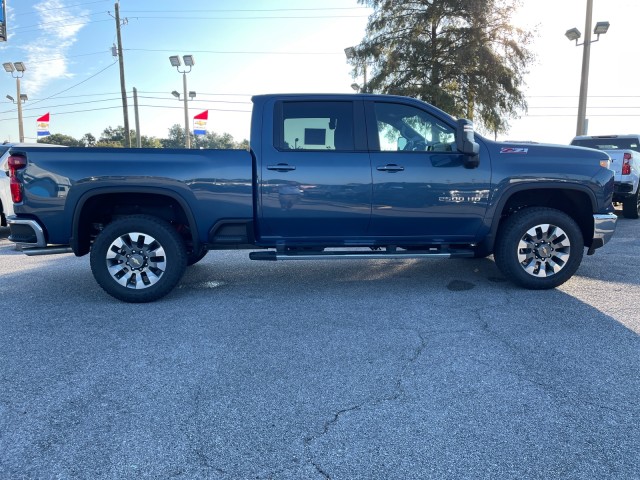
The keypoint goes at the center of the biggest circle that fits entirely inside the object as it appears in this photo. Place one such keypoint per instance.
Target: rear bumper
(603, 227)
(26, 232)
(29, 235)
(622, 190)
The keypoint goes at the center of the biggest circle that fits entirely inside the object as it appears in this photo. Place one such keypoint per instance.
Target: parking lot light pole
(574, 34)
(17, 69)
(188, 62)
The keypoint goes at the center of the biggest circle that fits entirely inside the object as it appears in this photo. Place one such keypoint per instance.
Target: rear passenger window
(314, 126)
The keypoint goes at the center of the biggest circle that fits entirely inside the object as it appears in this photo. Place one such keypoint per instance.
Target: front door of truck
(421, 188)
(315, 173)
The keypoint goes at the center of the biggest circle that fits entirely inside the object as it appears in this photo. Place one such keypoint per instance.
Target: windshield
(608, 143)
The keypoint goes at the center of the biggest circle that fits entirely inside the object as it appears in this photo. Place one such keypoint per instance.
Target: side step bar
(53, 250)
(356, 254)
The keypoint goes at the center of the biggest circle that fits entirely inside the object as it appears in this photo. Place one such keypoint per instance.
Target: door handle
(392, 168)
(281, 167)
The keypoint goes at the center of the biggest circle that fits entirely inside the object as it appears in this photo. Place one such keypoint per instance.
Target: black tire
(194, 257)
(539, 248)
(631, 205)
(138, 258)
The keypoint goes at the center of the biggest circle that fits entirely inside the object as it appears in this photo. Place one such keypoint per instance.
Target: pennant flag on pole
(200, 123)
(43, 125)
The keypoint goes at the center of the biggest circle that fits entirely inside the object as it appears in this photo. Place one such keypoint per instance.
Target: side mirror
(401, 142)
(466, 143)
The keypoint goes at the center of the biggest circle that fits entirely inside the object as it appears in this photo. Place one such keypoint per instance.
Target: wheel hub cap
(544, 250)
(136, 260)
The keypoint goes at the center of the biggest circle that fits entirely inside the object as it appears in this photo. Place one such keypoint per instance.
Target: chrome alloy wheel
(136, 260)
(544, 250)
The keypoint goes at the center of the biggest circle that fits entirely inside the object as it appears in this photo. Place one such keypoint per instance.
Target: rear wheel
(539, 248)
(631, 205)
(138, 259)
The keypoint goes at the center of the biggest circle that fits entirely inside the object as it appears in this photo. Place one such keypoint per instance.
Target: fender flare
(85, 197)
(510, 191)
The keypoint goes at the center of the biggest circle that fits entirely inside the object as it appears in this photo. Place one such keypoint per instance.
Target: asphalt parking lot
(429, 369)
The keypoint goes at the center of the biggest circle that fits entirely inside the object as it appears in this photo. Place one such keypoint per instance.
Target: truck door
(315, 173)
(421, 188)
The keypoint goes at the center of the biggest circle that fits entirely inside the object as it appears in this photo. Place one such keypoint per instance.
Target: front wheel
(138, 259)
(539, 248)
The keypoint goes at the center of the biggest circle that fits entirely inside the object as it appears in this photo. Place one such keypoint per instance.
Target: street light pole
(186, 110)
(19, 100)
(584, 77)
(350, 52)
(188, 62)
(574, 34)
(17, 69)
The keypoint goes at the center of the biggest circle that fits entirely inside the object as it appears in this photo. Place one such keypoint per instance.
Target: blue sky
(245, 47)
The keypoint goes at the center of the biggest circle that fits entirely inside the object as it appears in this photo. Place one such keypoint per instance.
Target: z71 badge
(514, 150)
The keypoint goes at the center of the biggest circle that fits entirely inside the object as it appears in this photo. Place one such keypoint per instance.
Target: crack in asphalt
(399, 391)
(528, 375)
(204, 461)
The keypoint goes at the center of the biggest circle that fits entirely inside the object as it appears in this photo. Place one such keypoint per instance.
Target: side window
(315, 126)
(406, 128)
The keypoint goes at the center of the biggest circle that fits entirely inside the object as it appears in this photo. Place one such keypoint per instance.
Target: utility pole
(137, 117)
(123, 88)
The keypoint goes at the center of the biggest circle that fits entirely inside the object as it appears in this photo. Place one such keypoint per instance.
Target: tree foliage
(60, 139)
(463, 56)
(176, 139)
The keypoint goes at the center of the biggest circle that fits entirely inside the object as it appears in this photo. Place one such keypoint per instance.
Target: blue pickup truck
(327, 176)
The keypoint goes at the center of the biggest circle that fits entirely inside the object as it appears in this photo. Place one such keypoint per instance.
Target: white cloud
(45, 54)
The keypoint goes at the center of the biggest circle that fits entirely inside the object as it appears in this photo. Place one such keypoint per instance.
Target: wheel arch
(99, 207)
(568, 198)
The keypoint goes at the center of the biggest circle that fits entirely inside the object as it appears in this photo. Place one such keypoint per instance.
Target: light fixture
(601, 28)
(573, 34)
(188, 62)
(17, 69)
(350, 52)
(23, 97)
(355, 86)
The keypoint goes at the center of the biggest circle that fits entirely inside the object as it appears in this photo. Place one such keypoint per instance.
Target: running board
(359, 255)
(33, 251)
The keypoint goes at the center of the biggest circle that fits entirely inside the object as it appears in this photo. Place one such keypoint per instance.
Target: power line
(53, 59)
(292, 17)
(119, 106)
(50, 9)
(37, 26)
(256, 52)
(73, 86)
(250, 10)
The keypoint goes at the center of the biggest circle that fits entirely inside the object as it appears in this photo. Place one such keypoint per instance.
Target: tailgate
(616, 164)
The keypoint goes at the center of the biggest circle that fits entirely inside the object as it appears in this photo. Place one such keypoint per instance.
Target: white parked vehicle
(624, 151)
(6, 205)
